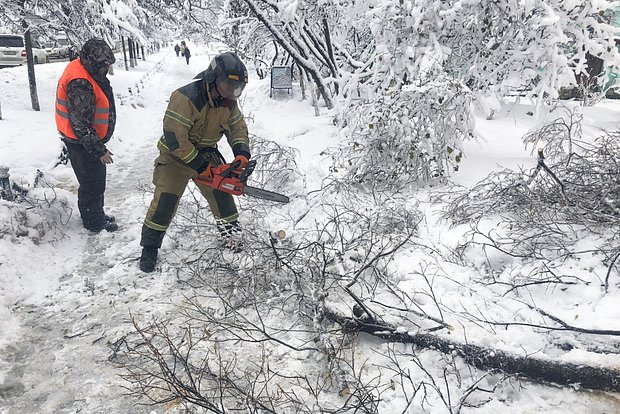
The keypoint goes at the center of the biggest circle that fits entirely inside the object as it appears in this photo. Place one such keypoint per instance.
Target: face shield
(230, 88)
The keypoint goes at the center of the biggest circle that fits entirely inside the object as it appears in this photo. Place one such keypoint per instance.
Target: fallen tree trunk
(549, 371)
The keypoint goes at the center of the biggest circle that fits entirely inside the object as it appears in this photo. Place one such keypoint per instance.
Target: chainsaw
(231, 178)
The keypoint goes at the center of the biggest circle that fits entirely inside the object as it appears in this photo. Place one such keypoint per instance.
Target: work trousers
(170, 178)
(91, 174)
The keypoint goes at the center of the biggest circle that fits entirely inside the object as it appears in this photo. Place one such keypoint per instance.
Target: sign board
(281, 78)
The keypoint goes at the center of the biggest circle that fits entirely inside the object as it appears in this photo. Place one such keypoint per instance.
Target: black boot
(148, 259)
(109, 226)
(231, 236)
(109, 218)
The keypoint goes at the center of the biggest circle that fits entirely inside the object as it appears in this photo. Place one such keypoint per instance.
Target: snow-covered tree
(406, 73)
(83, 19)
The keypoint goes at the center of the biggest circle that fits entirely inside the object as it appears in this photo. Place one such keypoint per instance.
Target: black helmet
(228, 73)
(96, 55)
(228, 65)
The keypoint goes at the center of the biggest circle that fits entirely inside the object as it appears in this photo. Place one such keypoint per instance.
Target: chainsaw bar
(265, 194)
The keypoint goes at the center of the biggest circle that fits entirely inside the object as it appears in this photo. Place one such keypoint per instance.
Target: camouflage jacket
(81, 105)
(195, 120)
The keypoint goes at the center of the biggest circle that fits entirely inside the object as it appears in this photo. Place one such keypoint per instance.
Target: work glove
(243, 161)
(202, 168)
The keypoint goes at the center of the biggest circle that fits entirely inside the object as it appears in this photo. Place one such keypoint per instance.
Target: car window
(11, 41)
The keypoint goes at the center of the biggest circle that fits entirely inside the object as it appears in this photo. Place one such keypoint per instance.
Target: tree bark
(547, 371)
(330, 51)
(131, 55)
(124, 52)
(32, 81)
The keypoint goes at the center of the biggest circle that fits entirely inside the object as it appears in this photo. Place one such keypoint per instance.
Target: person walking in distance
(187, 54)
(177, 49)
(197, 117)
(85, 119)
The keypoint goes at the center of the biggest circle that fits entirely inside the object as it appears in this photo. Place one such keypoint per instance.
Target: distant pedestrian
(182, 48)
(85, 119)
(187, 54)
(177, 49)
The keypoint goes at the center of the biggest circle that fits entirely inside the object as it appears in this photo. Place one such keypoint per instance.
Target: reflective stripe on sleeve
(179, 118)
(235, 118)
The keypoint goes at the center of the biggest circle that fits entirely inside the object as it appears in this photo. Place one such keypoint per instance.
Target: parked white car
(58, 48)
(13, 51)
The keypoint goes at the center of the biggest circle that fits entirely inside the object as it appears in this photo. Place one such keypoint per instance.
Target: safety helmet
(228, 73)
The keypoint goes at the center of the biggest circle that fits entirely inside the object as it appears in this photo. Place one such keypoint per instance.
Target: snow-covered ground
(67, 295)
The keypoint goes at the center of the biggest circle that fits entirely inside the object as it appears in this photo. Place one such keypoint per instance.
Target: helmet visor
(230, 88)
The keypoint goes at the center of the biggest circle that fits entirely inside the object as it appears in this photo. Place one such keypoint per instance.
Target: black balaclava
(97, 56)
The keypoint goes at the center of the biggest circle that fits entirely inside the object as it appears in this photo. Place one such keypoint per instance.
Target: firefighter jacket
(195, 120)
(85, 111)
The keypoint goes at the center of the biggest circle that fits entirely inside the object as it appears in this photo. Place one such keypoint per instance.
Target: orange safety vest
(75, 70)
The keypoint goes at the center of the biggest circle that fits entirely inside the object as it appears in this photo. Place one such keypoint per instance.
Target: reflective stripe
(155, 226)
(234, 119)
(96, 121)
(238, 141)
(100, 111)
(226, 220)
(190, 157)
(179, 118)
(179, 115)
(192, 154)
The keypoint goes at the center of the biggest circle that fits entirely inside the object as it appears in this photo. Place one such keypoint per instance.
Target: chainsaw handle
(228, 171)
(247, 171)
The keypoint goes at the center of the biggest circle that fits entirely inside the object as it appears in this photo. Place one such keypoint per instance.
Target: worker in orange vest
(85, 119)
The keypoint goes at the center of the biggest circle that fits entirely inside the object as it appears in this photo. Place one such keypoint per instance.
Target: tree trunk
(124, 52)
(302, 85)
(275, 57)
(34, 97)
(130, 43)
(549, 371)
(330, 51)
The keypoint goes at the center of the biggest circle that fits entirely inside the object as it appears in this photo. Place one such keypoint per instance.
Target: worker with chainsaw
(199, 114)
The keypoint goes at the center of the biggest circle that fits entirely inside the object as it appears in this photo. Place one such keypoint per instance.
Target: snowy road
(59, 361)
